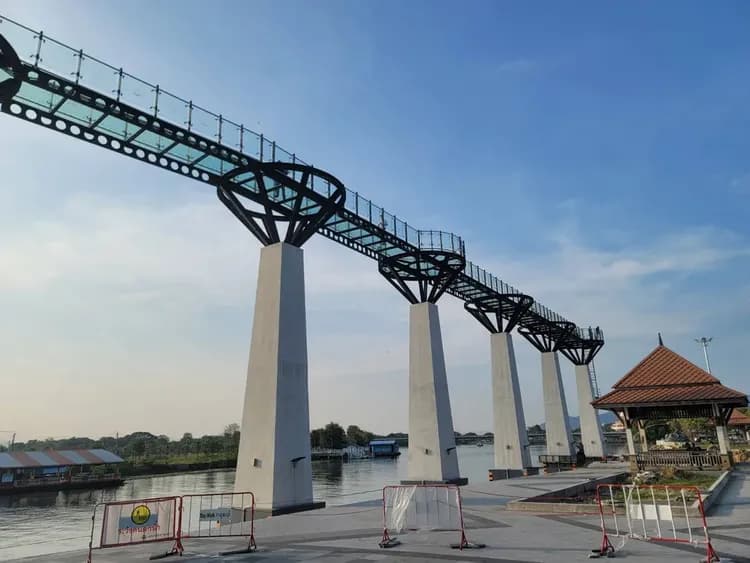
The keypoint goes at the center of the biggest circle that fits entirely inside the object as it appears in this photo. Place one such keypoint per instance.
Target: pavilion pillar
(630, 439)
(642, 434)
(721, 429)
(721, 436)
(629, 423)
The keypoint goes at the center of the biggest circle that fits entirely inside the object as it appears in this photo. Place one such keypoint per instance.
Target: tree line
(139, 446)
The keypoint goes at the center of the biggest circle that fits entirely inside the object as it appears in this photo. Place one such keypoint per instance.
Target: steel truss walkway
(48, 83)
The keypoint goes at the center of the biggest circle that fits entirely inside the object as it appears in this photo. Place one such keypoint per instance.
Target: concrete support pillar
(721, 436)
(511, 439)
(274, 454)
(432, 444)
(557, 426)
(591, 430)
(631, 440)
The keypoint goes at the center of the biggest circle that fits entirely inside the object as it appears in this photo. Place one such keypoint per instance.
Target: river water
(40, 523)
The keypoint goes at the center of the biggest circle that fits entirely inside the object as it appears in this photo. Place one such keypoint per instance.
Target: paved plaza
(349, 534)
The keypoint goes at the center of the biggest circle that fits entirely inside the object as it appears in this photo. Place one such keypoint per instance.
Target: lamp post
(703, 341)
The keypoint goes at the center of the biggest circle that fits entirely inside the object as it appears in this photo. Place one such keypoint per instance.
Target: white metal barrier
(655, 513)
(423, 507)
(175, 518)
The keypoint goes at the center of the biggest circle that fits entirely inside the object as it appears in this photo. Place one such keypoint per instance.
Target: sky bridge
(283, 201)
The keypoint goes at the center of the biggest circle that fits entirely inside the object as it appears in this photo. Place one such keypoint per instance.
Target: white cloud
(137, 281)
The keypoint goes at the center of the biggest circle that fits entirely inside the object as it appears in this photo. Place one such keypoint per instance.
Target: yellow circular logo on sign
(140, 514)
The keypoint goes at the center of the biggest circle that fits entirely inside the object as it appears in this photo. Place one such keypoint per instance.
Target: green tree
(691, 427)
(335, 436)
(358, 437)
(316, 438)
(332, 436)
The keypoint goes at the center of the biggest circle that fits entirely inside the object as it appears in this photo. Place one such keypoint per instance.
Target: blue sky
(593, 155)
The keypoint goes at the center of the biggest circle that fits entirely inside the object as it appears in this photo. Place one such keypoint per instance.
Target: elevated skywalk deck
(44, 81)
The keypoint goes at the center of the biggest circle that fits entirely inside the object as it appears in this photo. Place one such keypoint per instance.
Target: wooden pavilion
(665, 386)
(740, 421)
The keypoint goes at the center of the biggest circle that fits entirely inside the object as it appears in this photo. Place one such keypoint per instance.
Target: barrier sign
(222, 515)
(139, 521)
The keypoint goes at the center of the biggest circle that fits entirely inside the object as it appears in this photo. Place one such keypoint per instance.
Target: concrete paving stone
(350, 534)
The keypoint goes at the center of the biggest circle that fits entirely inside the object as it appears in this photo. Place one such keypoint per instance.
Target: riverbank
(131, 469)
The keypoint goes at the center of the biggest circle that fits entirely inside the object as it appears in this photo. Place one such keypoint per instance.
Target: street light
(12, 438)
(703, 341)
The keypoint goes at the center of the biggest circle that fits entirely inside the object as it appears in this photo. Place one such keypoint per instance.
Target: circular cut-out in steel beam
(263, 194)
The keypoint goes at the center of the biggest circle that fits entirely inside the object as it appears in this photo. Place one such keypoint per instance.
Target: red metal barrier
(423, 507)
(133, 522)
(176, 518)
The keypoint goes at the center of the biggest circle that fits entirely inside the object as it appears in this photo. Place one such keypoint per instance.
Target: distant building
(57, 469)
(384, 448)
(617, 426)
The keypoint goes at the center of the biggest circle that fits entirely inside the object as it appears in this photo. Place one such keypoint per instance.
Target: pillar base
(500, 474)
(291, 509)
(460, 481)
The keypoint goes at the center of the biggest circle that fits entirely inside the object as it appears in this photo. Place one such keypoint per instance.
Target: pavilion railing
(684, 459)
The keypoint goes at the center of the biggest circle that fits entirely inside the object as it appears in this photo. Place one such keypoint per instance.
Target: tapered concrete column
(432, 444)
(591, 430)
(274, 453)
(557, 426)
(511, 439)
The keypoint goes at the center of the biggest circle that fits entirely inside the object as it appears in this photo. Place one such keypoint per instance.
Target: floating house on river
(51, 470)
(384, 448)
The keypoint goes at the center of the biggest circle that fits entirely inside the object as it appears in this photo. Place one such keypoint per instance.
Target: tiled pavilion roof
(739, 419)
(666, 378)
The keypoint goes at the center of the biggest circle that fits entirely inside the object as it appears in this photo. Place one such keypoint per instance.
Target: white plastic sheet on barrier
(422, 507)
(139, 521)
